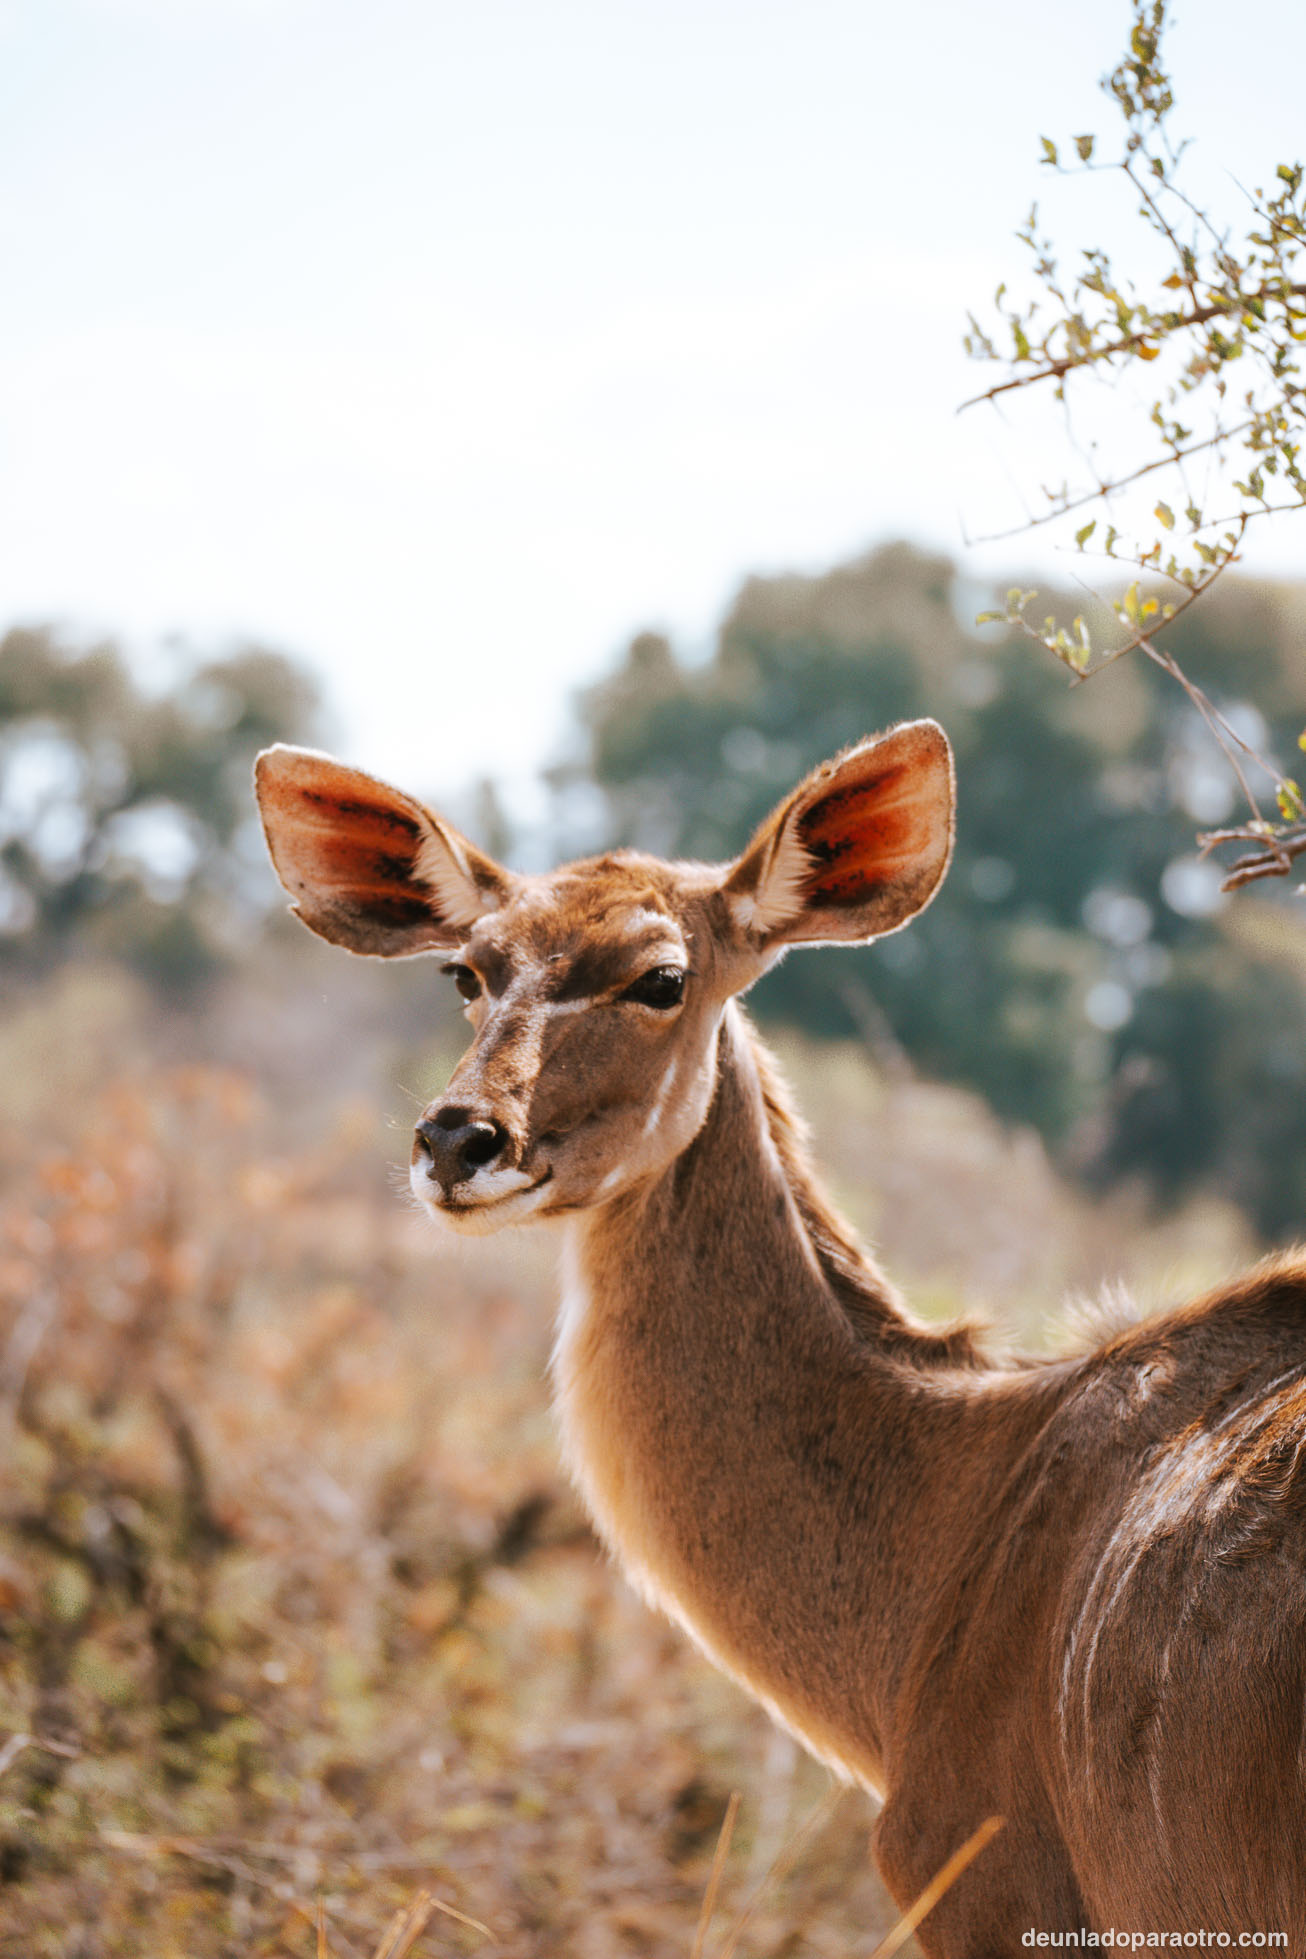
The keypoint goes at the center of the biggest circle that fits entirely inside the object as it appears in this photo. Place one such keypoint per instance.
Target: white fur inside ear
(778, 897)
(440, 866)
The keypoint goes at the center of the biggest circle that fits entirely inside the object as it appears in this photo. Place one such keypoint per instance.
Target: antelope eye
(464, 979)
(663, 987)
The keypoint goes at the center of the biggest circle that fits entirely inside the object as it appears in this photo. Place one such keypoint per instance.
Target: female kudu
(1071, 1592)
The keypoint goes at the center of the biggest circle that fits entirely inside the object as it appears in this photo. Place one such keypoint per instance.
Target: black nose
(457, 1143)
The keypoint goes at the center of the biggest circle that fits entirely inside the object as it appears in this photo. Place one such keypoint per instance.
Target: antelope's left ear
(856, 850)
(368, 867)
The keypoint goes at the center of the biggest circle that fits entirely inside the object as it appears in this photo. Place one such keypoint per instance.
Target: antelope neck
(739, 1390)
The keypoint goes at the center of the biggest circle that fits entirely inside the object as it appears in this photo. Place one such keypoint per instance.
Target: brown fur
(1071, 1592)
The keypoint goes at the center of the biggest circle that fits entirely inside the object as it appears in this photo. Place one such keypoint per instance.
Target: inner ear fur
(858, 849)
(368, 867)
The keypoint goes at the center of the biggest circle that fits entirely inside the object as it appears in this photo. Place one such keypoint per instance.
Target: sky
(446, 346)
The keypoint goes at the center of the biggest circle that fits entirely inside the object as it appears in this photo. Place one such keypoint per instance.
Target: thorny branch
(1130, 343)
(1242, 303)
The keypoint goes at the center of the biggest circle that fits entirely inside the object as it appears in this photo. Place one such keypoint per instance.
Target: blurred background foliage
(1081, 969)
(296, 1605)
(126, 827)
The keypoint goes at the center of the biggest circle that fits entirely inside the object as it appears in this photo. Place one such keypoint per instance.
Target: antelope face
(595, 994)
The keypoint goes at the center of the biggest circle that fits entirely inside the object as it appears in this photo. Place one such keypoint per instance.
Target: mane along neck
(873, 1305)
(739, 1391)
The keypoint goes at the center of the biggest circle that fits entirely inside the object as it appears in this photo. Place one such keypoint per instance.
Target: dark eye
(464, 979)
(663, 987)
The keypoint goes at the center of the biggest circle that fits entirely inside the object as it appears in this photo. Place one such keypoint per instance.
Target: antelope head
(595, 993)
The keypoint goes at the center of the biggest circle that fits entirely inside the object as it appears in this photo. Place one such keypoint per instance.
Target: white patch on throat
(573, 1309)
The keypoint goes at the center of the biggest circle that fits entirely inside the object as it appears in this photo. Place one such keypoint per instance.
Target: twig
(137, 1845)
(1273, 858)
(714, 1877)
(1225, 734)
(935, 1889)
(1143, 640)
(16, 1743)
(220, 1851)
(1063, 507)
(783, 1863)
(12, 1749)
(406, 1927)
(462, 1917)
(1056, 370)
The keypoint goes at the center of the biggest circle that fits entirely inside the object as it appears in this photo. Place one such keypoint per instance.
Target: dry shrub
(294, 1603)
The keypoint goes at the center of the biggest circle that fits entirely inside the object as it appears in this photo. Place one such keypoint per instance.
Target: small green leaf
(1164, 515)
(1049, 150)
(990, 618)
(1289, 798)
(1082, 536)
(1301, 739)
(1084, 144)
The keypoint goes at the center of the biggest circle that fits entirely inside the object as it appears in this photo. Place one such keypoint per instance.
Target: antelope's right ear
(856, 850)
(369, 868)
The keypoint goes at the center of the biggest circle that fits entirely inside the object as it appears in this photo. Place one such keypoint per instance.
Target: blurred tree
(1044, 974)
(1212, 326)
(126, 820)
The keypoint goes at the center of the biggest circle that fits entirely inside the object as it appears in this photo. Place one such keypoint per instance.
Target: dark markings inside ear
(855, 848)
(368, 867)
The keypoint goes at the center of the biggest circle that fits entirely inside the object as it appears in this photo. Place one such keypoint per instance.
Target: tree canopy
(1080, 968)
(126, 821)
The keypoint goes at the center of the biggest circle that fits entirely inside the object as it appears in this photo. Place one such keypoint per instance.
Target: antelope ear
(856, 850)
(368, 867)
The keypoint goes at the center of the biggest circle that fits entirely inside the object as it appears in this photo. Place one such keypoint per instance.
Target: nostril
(454, 1143)
(478, 1143)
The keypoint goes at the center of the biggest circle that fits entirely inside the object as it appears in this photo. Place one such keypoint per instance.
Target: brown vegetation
(295, 1605)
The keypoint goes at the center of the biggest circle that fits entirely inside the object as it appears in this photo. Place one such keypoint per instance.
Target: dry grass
(305, 1646)
(296, 1606)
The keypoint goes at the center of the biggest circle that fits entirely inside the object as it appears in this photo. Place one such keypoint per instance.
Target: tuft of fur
(874, 1307)
(1093, 1320)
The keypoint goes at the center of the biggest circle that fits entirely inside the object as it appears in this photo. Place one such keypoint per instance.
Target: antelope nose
(457, 1144)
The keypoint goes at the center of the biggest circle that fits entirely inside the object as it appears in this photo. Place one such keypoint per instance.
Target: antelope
(1070, 1591)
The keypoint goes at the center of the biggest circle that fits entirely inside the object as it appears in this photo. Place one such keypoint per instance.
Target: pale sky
(447, 345)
